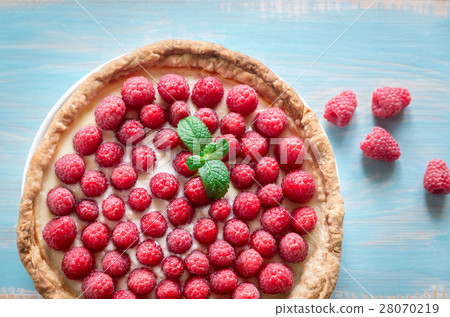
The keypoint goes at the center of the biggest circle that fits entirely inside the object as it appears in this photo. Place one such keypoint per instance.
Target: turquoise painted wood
(396, 236)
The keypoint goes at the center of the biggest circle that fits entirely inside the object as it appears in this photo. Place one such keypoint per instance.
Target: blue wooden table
(396, 237)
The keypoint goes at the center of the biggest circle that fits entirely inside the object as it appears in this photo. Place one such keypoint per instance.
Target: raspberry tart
(182, 170)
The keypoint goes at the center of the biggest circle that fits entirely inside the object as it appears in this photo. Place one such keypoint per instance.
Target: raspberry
(209, 118)
(109, 154)
(152, 116)
(123, 177)
(246, 206)
(293, 248)
(153, 224)
(196, 288)
(172, 87)
(69, 168)
(275, 220)
(275, 278)
(95, 236)
(270, 195)
(223, 281)
(195, 192)
(303, 219)
(388, 101)
(180, 212)
(266, 170)
(340, 109)
(221, 253)
(253, 146)
(168, 289)
(179, 164)
(271, 122)
(93, 183)
(248, 263)
(234, 147)
(164, 185)
(205, 231)
(139, 199)
(116, 264)
(59, 233)
(246, 291)
(130, 132)
(87, 210)
(290, 153)
(124, 294)
(149, 253)
(197, 263)
(264, 243)
(179, 241)
(166, 139)
(207, 92)
(298, 186)
(97, 285)
(219, 210)
(137, 92)
(60, 201)
(143, 158)
(437, 178)
(86, 141)
(242, 99)
(141, 281)
(113, 208)
(172, 266)
(110, 112)
(177, 111)
(233, 123)
(125, 235)
(380, 145)
(242, 176)
(236, 232)
(77, 263)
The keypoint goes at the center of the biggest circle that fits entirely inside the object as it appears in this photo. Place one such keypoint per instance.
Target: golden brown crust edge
(188, 54)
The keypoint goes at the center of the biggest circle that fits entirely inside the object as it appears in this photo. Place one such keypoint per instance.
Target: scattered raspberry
(242, 99)
(113, 207)
(290, 153)
(271, 122)
(236, 232)
(275, 220)
(179, 164)
(59, 233)
(137, 92)
(149, 253)
(209, 118)
(168, 289)
(172, 267)
(248, 263)
(123, 177)
(164, 186)
(242, 176)
(266, 170)
(205, 231)
(110, 113)
(97, 285)
(124, 294)
(87, 210)
(166, 139)
(223, 281)
(253, 146)
(275, 278)
(95, 236)
(139, 199)
(380, 145)
(340, 109)
(437, 178)
(298, 186)
(152, 116)
(86, 141)
(246, 206)
(143, 158)
(246, 291)
(270, 195)
(233, 123)
(172, 87)
(221, 253)
(125, 235)
(179, 241)
(153, 224)
(219, 210)
(116, 263)
(69, 168)
(77, 263)
(207, 92)
(177, 111)
(141, 281)
(264, 243)
(60, 201)
(303, 219)
(109, 154)
(130, 132)
(234, 147)
(196, 288)
(93, 183)
(293, 248)
(388, 101)
(195, 192)
(197, 263)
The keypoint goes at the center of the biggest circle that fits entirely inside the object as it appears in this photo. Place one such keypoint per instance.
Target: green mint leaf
(194, 162)
(216, 151)
(194, 134)
(215, 178)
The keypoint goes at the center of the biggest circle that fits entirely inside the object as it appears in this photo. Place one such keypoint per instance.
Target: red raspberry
(168, 289)
(266, 170)
(180, 212)
(177, 111)
(197, 263)
(130, 132)
(290, 153)
(179, 164)
(149, 253)
(219, 210)
(87, 210)
(95, 236)
(59, 233)
(264, 243)
(293, 248)
(77, 263)
(152, 116)
(196, 288)
(246, 206)
(113, 207)
(116, 263)
(166, 139)
(437, 178)
(124, 294)
(110, 112)
(69, 168)
(60, 201)
(236, 232)
(109, 154)
(97, 285)
(223, 281)
(298, 186)
(137, 92)
(153, 224)
(270, 195)
(340, 109)
(271, 122)
(195, 192)
(172, 87)
(205, 231)
(179, 241)
(234, 147)
(123, 177)
(207, 92)
(248, 263)
(275, 278)
(303, 219)
(93, 183)
(139, 199)
(221, 253)
(164, 186)
(242, 99)
(125, 235)
(209, 118)
(172, 266)
(275, 220)
(86, 141)
(242, 176)
(388, 101)
(141, 281)
(246, 291)
(253, 146)
(233, 123)
(380, 145)
(143, 158)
